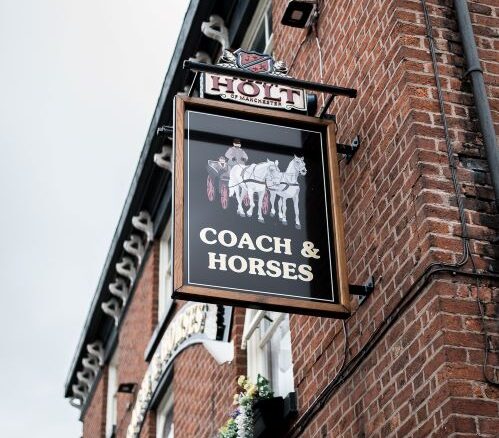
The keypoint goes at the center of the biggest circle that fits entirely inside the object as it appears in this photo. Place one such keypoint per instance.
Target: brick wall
(135, 332)
(423, 379)
(94, 424)
(134, 336)
(401, 215)
(203, 390)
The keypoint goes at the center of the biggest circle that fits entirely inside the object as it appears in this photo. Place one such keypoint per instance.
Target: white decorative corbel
(120, 289)
(91, 363)
(164, 158)
(85, 377)
(80, 390)
(135, 246)
(215, 29)
(201, 56)
(96, 349)
(76, 402)
(112, 308)
(143, 222)
(127, 269)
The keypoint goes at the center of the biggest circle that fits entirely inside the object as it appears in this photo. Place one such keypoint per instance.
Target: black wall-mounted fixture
(127, 388)
(362, 291)
(299, 13)
(349, 149)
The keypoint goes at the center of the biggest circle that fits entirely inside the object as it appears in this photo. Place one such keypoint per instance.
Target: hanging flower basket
(268, 418)
(248, 412)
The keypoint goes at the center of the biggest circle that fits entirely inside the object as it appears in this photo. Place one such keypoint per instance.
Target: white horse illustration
(248, 180)
(288, 187)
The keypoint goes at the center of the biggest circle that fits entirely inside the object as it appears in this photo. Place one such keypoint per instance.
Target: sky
(79, 81)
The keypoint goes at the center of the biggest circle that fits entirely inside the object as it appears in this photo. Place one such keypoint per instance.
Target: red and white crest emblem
(254, 62)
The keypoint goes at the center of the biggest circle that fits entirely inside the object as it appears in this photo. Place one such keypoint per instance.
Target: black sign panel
(256, 221)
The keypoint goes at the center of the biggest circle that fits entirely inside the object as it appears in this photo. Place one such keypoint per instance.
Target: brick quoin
(424, 376)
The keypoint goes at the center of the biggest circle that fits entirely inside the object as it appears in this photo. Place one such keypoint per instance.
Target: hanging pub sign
(253, 92)
(258, 221)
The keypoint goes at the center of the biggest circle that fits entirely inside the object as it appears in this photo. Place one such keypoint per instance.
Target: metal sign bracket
(349, 149)
(362, 291)
(272, 79)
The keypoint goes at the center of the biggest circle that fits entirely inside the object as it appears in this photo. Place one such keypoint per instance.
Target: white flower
(244, 422)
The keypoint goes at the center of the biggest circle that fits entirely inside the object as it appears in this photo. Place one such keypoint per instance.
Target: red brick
(94, 424)
(475, 407)
(488, 425)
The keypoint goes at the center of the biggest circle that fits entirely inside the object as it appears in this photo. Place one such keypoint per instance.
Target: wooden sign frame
(338, 309)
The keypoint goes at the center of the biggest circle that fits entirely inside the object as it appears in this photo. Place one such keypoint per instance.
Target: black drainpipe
(479, 93)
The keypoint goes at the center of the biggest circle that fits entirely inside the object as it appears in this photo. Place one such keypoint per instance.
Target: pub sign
(253, 92)
(257, 211)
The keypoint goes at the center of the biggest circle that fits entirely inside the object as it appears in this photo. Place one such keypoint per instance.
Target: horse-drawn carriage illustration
(217, 182)
(231, 176)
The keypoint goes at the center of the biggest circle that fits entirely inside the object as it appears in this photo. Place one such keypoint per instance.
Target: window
(165, 273)
(164, 416)
(259, 34)
(112, 392)
(267, 339)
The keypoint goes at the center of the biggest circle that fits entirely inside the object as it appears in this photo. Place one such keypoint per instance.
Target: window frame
(165, 275)
(261, 358)
(260, 17)
(165, 407)
(112, 396)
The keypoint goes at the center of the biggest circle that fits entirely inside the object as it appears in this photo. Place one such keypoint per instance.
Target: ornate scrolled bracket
(76, 402)
(112, 308)
(91, 363)
(96, 349)
(143, 222)
(120, 289)
(127, 269)
(164, 158)
(215, 29)
(201, 56)
(85, 377)
(80, 390)
(135, 246)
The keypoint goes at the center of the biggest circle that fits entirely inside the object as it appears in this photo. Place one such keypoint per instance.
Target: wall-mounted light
(299, 13)
(127, 388)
